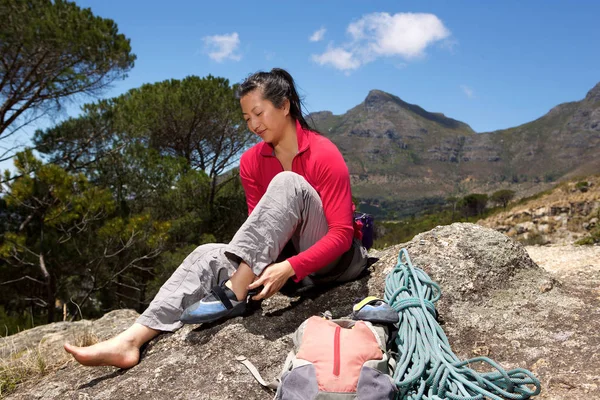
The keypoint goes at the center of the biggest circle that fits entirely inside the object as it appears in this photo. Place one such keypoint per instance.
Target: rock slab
(496, 302)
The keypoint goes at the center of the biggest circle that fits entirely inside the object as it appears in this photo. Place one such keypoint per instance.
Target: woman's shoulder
(325, 157)
(321, 146)
(252, 152)
(249, 158)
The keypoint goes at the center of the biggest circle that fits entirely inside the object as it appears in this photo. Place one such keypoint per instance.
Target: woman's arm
(333, 185)
(252, 188)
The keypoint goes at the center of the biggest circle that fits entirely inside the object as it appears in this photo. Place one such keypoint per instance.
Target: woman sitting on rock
(297, 188)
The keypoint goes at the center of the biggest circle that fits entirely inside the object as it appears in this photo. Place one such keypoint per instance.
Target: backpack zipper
(336, 351)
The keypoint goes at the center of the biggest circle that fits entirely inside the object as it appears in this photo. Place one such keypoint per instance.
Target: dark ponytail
(277, 85)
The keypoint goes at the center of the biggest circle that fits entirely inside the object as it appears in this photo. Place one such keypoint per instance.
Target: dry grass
(520, 218)
(24, 364)
(84, 337)
(21, 366)
(575, 223)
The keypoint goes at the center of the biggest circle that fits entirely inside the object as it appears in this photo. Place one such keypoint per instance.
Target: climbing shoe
(374, 310)
(220, 303)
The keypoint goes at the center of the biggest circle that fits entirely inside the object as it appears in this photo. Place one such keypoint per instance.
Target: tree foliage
(79, 144)
(473, 204)
(118, 205)
(118, 195)
(197, 119)
(66, 238)
(502, 197)
(50, 50)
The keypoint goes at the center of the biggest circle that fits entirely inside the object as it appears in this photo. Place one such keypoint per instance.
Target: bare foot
(118, 352)
(122, 351)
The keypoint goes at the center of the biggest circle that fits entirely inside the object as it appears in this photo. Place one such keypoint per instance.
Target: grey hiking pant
(290, 211)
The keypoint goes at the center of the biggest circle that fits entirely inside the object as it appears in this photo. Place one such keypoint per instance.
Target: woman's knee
(287, 179)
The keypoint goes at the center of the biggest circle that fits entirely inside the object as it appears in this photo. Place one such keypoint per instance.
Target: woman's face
(263, 118)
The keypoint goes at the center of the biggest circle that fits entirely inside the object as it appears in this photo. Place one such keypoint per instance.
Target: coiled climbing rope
(427, 369)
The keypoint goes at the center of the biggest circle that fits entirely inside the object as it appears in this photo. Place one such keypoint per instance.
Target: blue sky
(492, 65)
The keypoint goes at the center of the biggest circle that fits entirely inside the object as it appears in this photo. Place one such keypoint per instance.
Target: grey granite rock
(496, 302)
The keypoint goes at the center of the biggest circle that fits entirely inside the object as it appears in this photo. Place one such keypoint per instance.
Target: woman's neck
(288, 144)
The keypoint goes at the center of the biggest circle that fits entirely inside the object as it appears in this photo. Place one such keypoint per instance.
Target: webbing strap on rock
(427, 369)
(254, 371)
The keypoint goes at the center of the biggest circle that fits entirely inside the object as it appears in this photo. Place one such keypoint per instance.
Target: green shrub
(582, 186)
(593, 238)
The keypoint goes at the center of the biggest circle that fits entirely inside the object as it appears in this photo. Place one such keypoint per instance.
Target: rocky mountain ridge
(399, 153)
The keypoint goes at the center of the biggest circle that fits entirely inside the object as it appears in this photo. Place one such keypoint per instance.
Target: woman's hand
(273, 278)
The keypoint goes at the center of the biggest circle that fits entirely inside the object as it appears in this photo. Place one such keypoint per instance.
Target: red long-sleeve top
(320, 162)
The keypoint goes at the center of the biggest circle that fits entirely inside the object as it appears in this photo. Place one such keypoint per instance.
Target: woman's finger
(256, 283)
(263, 293)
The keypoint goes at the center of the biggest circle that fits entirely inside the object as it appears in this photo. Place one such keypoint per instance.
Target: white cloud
(318, 35)
(468, 91)
(222, 47)
(338, 58)
(376, 35)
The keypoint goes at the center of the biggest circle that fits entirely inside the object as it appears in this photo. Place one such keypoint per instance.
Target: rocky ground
(577, 270)
(496, 302)
(566, 261)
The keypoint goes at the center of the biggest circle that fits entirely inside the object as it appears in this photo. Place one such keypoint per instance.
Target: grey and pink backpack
(338, 359)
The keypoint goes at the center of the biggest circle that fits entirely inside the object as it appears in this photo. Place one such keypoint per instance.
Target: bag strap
(254, 371)
(274, 384)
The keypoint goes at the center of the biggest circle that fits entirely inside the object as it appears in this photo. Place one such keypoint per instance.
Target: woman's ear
(286, 107)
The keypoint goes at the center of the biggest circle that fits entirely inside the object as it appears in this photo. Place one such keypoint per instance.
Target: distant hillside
(405, 158)
(563, 215)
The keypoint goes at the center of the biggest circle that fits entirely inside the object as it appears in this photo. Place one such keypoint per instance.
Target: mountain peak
(378, 96)
(594, 94)
(377, 92)
(377, 100)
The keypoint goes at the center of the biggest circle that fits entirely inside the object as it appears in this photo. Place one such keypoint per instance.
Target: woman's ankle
(240, 291)
(137, 335)
(239, 281)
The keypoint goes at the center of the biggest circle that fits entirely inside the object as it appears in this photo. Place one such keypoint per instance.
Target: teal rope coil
(427, 369)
